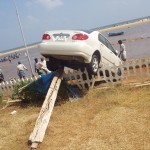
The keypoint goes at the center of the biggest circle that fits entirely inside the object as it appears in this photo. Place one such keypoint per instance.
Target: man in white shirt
(21, 70)
(43, 62)
(40, 67)
(37, 66)
(43, 65)
(122, 54)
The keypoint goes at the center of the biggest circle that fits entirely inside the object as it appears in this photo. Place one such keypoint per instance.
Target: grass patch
(116, 118)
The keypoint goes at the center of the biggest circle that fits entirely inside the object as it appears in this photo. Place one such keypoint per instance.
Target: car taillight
(80, 37)
(46, 37)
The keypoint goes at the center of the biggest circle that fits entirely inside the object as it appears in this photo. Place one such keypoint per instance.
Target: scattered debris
(13, 112)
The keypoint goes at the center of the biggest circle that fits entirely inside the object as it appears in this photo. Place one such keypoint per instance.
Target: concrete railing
(6, 88)
(133, 71)
(137, 70)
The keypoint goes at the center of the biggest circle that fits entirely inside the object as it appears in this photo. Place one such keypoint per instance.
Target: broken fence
(133, 71)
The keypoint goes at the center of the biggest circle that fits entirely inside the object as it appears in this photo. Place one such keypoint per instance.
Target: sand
(125, 25)
(18, 50)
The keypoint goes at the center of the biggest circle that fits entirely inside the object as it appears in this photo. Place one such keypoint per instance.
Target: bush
(35, 92)
(23, 91)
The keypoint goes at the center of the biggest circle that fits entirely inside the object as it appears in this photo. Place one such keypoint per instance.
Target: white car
(77, 49)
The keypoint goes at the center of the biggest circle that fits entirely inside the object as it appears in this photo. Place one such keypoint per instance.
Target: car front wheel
(93, 65)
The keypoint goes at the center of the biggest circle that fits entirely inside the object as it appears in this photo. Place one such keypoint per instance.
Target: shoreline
(116, 27)
(18, 50)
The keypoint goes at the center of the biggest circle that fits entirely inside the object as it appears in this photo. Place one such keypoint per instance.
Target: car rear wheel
(93, 65)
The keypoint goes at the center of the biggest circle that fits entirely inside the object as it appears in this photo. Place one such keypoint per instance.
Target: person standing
(38, 67)
(21, 70)
(122, 53)
(43, 62)
(1, 76)
(43, 65)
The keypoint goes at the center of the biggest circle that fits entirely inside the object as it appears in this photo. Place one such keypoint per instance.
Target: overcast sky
(38, 16)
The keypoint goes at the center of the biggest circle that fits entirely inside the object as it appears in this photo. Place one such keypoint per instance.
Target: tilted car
(77, 49)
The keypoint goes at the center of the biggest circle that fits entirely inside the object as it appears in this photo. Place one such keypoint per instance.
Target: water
(135, 49)
(10, 69)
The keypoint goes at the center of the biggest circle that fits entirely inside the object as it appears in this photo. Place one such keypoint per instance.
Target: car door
(105, 52)
(113, 57)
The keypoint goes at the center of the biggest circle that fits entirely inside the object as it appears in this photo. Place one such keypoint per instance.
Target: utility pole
(23, 37)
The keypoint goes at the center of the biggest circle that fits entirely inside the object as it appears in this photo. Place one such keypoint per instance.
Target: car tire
(93, 66)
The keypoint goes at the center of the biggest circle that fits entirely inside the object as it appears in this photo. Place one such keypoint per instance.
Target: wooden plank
(43, 119)
(34, 146)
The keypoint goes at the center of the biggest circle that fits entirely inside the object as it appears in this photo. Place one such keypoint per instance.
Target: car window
(110, 46)
(106, 42)
(102, 39)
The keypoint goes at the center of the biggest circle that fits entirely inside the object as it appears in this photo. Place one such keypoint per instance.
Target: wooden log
(43, 119)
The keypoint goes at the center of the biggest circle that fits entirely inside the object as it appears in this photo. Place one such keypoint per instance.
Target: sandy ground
(126, 25)
(112, 119)
(19, 50)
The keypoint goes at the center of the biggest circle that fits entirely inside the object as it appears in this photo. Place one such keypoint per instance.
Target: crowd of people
(40, 68)
(10, 57)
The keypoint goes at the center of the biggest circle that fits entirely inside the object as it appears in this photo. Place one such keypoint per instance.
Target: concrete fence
(133, 71)
(6, 88)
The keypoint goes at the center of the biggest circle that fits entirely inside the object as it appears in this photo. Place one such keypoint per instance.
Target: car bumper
(69, 49)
